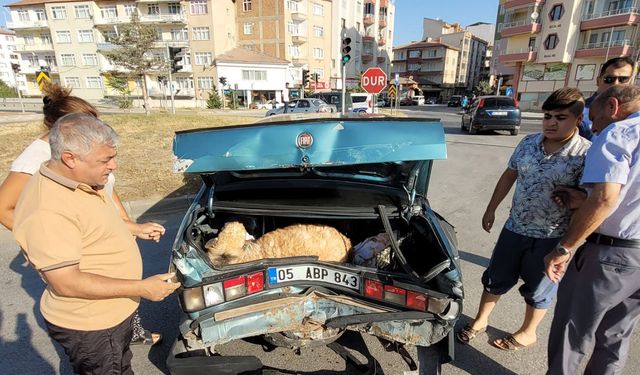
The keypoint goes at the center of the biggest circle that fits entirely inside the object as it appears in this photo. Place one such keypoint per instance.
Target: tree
(133, 51)
(484, 88)
(214, 101)
(7, 91)
(120, 85)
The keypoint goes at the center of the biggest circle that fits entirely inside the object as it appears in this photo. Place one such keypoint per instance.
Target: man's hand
(556, 265)
(148, 231)
(158, 287)
(487, 220)
(569, 197)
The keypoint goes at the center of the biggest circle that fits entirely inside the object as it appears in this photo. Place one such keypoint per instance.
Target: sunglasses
(609, 80)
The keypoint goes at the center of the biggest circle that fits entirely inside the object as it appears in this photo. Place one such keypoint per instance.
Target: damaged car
(303, 230)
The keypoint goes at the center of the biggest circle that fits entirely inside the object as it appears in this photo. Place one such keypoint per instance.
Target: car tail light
(213, 294)
(480, 103)
(417, 301)
(373, 289)
(516, 104)
(394, 294)
(192, 299)
(255, 283)
(369, 103)
(234, 288)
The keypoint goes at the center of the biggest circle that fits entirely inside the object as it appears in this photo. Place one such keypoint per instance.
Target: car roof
(495, 96)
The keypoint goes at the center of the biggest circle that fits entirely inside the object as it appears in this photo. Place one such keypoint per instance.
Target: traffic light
(223, 81)
(15, 67)
(316, 77)
(305, 77)
(175, 56)
(345, 50)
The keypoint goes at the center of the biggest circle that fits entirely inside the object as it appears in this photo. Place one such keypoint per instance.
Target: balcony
(615, 48)
(617, 17)
(521, 27)
(109, 21)
(367, 57)
(297, 11)
(510, 4)
(163, 18)
(32, 69)
(26, 25)
(523, 55)
(382, 41)
(368, 19)
(368, 37)
(384, 3)
(34, 47)
(171, 42)
(298, 37)
(382, 22)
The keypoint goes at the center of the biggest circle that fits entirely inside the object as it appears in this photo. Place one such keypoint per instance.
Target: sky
(409, 15)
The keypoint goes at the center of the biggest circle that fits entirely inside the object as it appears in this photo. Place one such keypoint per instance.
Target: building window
(532, 44)
(94, 82)
(33, 60)
(68, 59)
(319, 72)
(130, 10)
(153, 9)
(41, 15)
(205, 83)
(90, 59)
(63, 36)
(29, 40)
(174, 8)
(246, 5)
(59, 12)
(179, 34)
(432, 53)
(82, 11)
(23, 16)
(203, 58)
(369, 9)
(318, 9)
(200, 33)
(45, 38)
(85, 36)
(184, 83)
(556, 12)
(414, 54)
(318, 31)
(50, 61)
(292, 27)
(254, 75)
(318, 53)
(248, 28)
(294, 51)
(551, 42)
(414, 67)
(73, 82)
(109, 12)
(199, 7)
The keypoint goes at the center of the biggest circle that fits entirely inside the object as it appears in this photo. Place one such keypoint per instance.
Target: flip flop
(509, 344)
(147, 339)
(467, 334)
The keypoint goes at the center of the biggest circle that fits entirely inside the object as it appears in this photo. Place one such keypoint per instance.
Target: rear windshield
(499, 102)
(359, 99)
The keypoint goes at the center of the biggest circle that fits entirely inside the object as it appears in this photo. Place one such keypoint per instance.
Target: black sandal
(147, 338)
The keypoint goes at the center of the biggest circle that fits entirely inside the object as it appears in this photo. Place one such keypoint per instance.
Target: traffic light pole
(344, 89)
(15, 80)
(173, 103)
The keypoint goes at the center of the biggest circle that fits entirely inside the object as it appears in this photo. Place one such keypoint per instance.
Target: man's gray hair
(79, 133)
(628, 96)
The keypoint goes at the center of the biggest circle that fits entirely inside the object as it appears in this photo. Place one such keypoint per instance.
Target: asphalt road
(459, 190)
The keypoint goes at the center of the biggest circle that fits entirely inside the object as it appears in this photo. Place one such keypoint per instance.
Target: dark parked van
(335, 98)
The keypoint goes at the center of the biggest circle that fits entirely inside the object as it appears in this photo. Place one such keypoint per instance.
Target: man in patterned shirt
(540, 163)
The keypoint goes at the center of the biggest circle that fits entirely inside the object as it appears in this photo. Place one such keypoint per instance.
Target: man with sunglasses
(616, 71)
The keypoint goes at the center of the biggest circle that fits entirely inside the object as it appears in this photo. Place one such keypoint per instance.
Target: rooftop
(243, 55)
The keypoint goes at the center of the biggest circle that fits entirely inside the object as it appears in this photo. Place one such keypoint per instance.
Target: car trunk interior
(353, 212)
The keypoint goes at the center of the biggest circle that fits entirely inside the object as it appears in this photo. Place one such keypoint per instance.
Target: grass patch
(145, 158)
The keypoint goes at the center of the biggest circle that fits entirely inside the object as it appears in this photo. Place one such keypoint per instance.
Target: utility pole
(173, 104)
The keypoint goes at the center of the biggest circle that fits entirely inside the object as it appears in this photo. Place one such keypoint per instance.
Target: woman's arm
(9, 193)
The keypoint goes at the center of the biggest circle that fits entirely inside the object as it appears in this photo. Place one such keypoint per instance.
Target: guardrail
(615, 12)
(525, 22)
(613, 43)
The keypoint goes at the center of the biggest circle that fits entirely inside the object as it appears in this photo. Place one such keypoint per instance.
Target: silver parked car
(307, 105)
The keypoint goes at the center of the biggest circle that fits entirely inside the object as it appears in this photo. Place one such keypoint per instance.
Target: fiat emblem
(305, 140)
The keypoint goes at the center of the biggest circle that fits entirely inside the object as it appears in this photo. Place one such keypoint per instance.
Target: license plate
(313, 273)
(499, 113)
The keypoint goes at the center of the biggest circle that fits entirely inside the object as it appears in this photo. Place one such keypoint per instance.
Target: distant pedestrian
(539, 163)
(465, 102)
(618, 70)
(599, 297)
(285, 97)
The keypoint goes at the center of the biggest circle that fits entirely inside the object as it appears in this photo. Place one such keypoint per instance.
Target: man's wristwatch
(563, 250)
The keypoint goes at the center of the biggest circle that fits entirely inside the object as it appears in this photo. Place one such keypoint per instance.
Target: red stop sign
(374, 80)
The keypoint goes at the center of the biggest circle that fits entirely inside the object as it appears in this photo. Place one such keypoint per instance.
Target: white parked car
(305, 105)
(362, 102)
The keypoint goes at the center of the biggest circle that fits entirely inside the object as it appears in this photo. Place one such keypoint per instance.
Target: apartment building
(485, 31)
(431, 63)
(8, 56)
(473, 51)
(550, 45)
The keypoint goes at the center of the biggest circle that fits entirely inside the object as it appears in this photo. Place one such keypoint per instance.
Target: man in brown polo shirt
(74, 236)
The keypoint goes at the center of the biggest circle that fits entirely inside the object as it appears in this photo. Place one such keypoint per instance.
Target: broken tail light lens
(373, 289)
(255, 282)
(213, 294)
(394, 294)
(417, 301)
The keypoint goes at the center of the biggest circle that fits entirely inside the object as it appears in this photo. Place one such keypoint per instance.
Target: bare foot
(525, 339)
